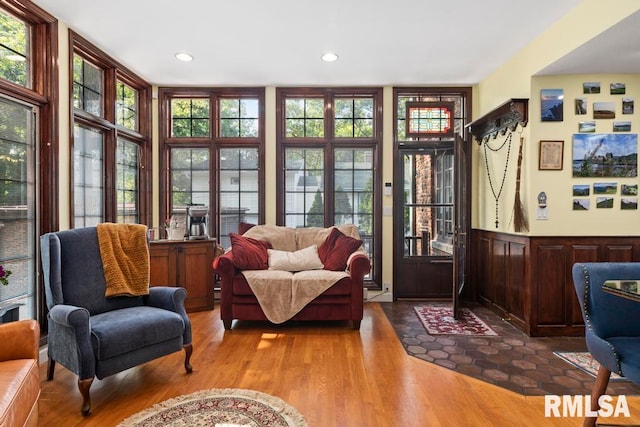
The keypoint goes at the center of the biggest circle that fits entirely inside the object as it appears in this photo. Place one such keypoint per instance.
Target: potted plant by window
(4, 276)
(8, 313)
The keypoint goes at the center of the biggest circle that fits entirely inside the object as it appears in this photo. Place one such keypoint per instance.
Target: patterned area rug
(438, 320)
(221, 408)
(584, 361)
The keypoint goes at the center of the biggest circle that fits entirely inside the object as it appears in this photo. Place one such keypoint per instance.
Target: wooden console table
(185, 263)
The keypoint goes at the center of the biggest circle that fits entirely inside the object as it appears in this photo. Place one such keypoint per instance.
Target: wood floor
(333, 375)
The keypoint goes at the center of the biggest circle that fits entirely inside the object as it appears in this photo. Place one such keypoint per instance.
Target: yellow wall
(515, 80)
(512, 80)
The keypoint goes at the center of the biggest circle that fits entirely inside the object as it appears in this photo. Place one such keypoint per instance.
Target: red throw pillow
(336, 249)
(243, 227)
(248, 253)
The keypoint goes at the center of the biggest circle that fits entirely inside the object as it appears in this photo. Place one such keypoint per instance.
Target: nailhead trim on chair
(587, 282)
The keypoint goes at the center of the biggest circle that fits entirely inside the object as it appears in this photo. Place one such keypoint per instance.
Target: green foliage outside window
(14, 48)
(353, 118)
(126, 106)
(239, 118)
(190, 117)
(315, 216)
(304, 117)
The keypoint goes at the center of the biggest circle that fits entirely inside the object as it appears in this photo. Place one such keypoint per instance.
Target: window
(212, 142)
(190, 118)
(127, 186)
(111, 139)
(28, 148)
(87, 86)
(88, 182)
(14, 50)
(126, 106)
(328, 141)
(239, 118)
(304, 117)
(239, 172)
(304, 187)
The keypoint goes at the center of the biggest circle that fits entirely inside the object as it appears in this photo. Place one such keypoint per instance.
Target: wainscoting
(527, 280)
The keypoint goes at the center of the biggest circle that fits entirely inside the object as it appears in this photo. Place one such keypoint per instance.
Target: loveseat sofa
(280, 273)
(19, 373)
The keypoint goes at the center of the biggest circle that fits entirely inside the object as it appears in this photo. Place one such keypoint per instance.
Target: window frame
(113, 72)
(214, 142)
(43, 93)
(329, 143)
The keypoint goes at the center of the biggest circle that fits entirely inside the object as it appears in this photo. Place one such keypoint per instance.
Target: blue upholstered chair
(95, 336)
(612, 329)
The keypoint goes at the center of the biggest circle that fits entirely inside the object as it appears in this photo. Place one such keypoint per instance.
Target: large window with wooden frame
(328, 142)
(28, 149)
(111, 116)
(212, 142)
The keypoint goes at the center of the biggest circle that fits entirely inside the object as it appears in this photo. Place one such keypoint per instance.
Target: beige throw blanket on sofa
(282, 294)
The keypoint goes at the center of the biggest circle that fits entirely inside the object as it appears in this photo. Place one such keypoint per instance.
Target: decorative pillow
(304, 259)
(336, 249)
(243, 227)
(248, 253)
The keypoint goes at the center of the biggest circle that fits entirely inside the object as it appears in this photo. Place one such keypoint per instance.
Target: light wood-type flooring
(331, 374)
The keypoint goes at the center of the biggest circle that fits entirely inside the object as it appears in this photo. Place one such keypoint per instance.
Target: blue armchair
(95, 336)
(612, 330)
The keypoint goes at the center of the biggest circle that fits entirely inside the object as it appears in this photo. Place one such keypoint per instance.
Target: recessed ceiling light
(183, 56)
(329, 57)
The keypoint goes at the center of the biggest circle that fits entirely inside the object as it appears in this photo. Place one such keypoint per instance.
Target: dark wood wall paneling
(527, 280)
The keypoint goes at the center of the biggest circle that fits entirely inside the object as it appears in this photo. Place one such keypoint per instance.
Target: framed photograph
(629, 203)
(581, 190)
(617, 88)
(429, 119)
(589, 126)
(591, 87)
(581, 204)
(604, 202)
(624, 126)
(580, 105)
(551, 105)
(550, 155)
(627, 105)
(604, 110)
(605, 155)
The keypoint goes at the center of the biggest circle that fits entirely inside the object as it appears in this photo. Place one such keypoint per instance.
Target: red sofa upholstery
(342, 301)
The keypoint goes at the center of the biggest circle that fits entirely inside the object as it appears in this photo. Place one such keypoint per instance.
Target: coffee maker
(197, 221)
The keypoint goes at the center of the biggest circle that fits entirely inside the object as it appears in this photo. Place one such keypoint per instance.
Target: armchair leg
(600, 386)
(51, 367)
(227, 324)
(356, 325)
(188, 349)
(83, 386)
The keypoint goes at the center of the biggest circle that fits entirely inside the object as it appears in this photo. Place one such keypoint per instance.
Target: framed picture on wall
(550, 155)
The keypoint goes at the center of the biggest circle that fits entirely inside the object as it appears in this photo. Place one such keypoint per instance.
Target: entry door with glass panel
(425, 220)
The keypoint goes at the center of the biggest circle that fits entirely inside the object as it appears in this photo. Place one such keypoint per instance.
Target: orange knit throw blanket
(125, 258)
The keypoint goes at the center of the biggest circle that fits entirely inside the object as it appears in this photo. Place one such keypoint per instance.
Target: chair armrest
(70, 316)
(223, 265)
(358, 265)
(20, 340)
(171, 299)
(166, 297)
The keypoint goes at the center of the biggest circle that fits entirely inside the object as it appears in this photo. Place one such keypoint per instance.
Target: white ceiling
(279, 42)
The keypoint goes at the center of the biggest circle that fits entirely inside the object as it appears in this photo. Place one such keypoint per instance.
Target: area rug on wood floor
(438, 320)
(221, 408)
(584, 361)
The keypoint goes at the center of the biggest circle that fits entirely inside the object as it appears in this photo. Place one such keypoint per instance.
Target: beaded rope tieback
(496, 196)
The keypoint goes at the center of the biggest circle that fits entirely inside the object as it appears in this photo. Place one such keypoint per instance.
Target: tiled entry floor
(511, 360)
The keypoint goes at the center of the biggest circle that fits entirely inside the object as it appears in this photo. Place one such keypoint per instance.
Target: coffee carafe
(197, 222)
